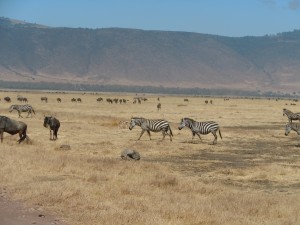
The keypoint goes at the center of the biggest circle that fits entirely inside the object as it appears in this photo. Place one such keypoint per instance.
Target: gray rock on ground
(130, 154)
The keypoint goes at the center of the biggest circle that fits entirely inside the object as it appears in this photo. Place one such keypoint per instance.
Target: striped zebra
(201, 128)
(22, 108)
(294, 127)
(151, 125)
(291, 116)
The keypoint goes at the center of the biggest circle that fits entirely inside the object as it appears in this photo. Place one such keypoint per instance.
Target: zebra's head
(132, 123)
(288, 129)
(11, 108)
(185, 122)
(284, 112)
(182, 124)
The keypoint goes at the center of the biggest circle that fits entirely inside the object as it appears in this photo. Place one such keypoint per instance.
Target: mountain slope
(137, 57)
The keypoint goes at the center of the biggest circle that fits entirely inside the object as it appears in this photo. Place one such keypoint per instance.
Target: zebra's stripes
(295, 127)
(291, 116)
(22, 108)
(201, 127)
(151, 125)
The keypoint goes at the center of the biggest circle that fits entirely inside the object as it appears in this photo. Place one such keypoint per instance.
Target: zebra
(291, 116)
(294, 127)
(151, 125)
(22, 108)
(201, 128)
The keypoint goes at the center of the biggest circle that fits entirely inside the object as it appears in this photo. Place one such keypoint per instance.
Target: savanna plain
(252, 175)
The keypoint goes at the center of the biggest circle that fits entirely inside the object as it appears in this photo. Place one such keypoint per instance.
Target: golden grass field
(252, 176)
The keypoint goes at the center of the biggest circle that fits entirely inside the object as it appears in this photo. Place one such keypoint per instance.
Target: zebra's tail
(170, 131)
(220, 133)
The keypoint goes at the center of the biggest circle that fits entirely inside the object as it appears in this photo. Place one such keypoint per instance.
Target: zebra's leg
(298, 141)
(164, 134)
(193, 136)
(215, 135)
(148, 131)
(199, 136)
(143, 131)
(28, 114)
(20, 116)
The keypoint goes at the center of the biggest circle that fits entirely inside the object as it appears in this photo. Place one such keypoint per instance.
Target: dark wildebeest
(58, 100)
(54, 126)
(99, 99)
(13, 127)
(158, 107)
(7, 99)
(45, 99)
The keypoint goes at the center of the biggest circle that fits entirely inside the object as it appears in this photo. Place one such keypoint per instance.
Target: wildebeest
(7, 99)
(13, 127)
(54, 126)
(58, 100)
(158, 107)
(45, 99)
(99, 99)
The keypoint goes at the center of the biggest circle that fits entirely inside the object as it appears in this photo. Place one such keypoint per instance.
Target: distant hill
(36, 53)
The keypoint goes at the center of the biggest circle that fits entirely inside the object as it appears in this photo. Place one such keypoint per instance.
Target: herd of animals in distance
(13, 127)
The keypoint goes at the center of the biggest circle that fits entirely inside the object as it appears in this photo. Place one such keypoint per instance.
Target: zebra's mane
(137, 118)
(286, 110)
(189, 119)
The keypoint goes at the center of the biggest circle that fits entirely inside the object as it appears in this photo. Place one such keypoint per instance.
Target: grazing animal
(44, 99)
(22, 108)
(7, 99)
(151, 125)
(73, 100)
(78, 99)
(294, 127)
(22, 99)
(58, 100)
(158, 107)
(99, 99)
(201, 127)
(54, 125)
(13, 127)
(291, 116)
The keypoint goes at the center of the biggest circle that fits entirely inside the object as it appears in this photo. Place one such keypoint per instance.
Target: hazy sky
(222, 17)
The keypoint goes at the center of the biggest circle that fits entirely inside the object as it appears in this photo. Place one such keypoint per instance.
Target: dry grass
(251, 177)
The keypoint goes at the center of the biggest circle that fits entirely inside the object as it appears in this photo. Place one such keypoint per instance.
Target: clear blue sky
(233, 18)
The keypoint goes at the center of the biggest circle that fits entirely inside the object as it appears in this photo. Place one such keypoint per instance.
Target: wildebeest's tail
(220, 133)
